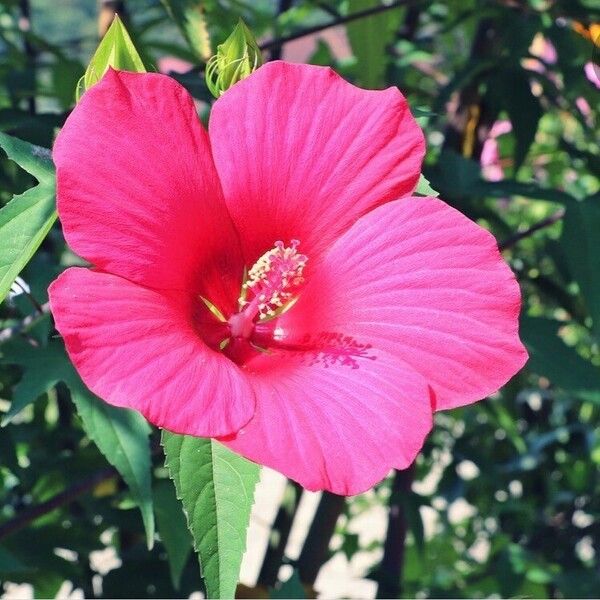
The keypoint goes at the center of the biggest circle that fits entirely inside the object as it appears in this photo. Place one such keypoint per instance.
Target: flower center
(272, 282)
(270, 288)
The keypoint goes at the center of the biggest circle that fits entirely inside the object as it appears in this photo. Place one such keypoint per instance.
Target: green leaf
(424, 188)
(351, 545)
(369, 38)
(26, 219)
(510, 187)
(43, 368)
(454, 175)
(121, 435)
(580, 245)
(35, 160)
(292, 588)
(172, 528)
(216, 487)
(115, 50)
(10, 563)
(562, 365)
(191, 20)
(522, 106)
(236, 58)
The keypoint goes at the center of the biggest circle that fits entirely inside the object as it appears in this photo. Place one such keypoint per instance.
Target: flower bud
(115, 50)
(236, 58)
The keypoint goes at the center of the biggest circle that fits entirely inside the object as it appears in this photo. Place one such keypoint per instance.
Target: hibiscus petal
(138, 194)
(335, 424)
(419, 280)
(137, 348)
(302, 154)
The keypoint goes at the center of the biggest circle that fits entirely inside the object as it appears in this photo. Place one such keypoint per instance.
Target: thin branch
(26, 517)
(517, 237)
(316, 546)
(284, 6)
(392, 564)
(342, 20)
(24, 289)
(330, 10)
(280, 534)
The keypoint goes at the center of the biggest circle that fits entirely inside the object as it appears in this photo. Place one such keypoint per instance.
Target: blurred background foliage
(504, 500)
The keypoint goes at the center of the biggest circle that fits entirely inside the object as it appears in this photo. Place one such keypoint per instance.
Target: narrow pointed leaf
(369, 38)
(189, 16)
(562, 365)
(27, 218)
(42, 368)
(122, 436)
(172, 527)
(580, 244)
(216, 487)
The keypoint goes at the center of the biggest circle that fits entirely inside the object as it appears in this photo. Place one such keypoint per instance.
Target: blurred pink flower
(490, 155)
(592, 72)
(543, 52)
(172, 64)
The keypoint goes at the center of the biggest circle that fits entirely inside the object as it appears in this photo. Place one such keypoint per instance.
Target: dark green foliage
(506, 495)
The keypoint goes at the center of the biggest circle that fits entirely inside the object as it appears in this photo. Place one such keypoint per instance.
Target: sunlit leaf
(424, 188)
(190, 18)
(369, 38)
(216, 487)
(26, 219)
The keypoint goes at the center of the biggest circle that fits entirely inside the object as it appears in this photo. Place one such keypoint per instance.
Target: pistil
(271, 288)
(272, 281)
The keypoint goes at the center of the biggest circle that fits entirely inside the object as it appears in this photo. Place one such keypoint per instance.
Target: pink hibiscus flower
(264, 285)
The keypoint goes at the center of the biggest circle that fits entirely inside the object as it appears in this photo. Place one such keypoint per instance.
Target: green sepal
(116, 50)
(236, 58)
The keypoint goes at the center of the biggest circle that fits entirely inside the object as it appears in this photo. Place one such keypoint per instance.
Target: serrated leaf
(369, 38)
(190, 18)
(27, 218)
(172, 527)
(121, 435)
(579, 242)
(116, 50)
(216, 487)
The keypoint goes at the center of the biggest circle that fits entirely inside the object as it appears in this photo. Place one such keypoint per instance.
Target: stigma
(270, 288)
(273, 282)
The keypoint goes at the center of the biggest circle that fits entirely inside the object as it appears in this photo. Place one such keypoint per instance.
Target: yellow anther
(274, 277)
